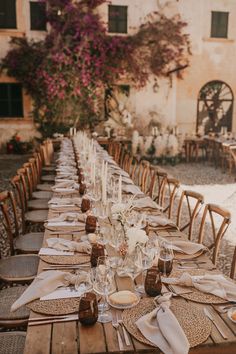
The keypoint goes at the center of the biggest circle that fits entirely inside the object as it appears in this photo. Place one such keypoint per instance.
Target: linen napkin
(185, 247)
(162, 328)
(61, 244)
(132, 189)
(215, 284)
(145, 202)
(66, 184)
(158, 220)
(47, 282)
(70, 217)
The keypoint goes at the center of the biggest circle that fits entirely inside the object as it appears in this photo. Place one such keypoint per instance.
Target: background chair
(193, 202)
(18, 242)
(214, 211)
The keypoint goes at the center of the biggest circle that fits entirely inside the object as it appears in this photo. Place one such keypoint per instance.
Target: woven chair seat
(42, 195)
(7, 297)
(44, 187)
(12, 342)
(30, 242)
(36, 216)
(38, 204)
(20, 268)
(48, 178)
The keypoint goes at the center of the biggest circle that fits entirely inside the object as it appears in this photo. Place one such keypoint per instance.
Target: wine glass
(145, 261)
(165, 261)
(104, 285)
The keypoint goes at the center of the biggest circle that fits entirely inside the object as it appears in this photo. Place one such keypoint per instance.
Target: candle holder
(88, 309)
(91, 224)
(85, 205)
(98, 250)
(153, 283)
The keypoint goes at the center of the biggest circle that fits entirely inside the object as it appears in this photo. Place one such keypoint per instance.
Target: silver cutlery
(41, 321)
(120, 321)
(208, 313)
(115, 324)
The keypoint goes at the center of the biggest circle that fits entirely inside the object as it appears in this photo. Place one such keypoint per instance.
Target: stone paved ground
(188, 174)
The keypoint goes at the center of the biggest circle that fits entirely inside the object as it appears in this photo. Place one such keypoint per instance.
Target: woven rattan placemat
(75, 259)
(197, 295)
(55, 307)
(195, 324)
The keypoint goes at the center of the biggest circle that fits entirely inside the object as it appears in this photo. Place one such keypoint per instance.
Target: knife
(208, 314)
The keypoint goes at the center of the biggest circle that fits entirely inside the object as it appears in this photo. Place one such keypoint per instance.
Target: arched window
(215, 107)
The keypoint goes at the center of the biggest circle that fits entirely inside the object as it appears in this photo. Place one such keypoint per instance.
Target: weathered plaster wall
(24, 126)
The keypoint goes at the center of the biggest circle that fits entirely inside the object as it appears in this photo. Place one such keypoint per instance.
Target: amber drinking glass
(88, 309)
(152, 283)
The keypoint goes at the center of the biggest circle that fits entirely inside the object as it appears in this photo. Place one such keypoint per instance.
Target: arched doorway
(215, 107)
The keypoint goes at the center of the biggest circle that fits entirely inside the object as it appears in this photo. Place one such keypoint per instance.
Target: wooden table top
(72, 337)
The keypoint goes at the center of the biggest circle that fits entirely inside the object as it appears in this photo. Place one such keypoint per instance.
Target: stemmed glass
(165, 261)
(145, 260)
(104, 285)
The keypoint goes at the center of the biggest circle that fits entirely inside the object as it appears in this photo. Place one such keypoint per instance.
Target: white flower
(135, 236)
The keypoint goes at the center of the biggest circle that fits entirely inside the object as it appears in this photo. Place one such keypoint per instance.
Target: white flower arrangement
(135, 236)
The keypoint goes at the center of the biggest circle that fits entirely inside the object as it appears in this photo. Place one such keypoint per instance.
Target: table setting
(108, 265)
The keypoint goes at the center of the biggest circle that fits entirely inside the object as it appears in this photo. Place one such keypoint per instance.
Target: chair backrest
(133, 168)
(21, 191)
(8, 205)
(142, 174)
(169, 194)
(233, 265)
(157, 185)
(194, 202)
(223, 218)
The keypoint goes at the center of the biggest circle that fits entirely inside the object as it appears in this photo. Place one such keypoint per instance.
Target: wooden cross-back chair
(157, 185)
(33, 217)
(232, 158)
(114, 149)
(233, 265)
(142, 172)
(19, 242)
(193, 202)
(16, 268)
(34, 169)
(133, 167)
(214, 211)
(44, 195)
(169, 193)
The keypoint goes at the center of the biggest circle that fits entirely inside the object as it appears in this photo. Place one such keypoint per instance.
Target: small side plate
(230, 312)
(124, 307)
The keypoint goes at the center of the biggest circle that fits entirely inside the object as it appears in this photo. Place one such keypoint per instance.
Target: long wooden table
(72, 337)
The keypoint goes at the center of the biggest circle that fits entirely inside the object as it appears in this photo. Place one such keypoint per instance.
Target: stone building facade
(208, 85)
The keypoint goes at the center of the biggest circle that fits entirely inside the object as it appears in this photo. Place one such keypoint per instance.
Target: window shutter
(37, 16)
(219, 24)
(7, 13)
(117, 19)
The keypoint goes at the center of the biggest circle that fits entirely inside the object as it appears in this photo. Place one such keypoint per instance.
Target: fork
(120, 321)
(115, 324)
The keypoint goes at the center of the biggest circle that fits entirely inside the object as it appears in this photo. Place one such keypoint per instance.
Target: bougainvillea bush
(67, 72)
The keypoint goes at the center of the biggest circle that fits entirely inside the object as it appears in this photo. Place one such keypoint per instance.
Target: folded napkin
(70, 217)
(186, 247)
(117, 171)
(162, 328)
(44, 251)
(60, 201)
(61, 244)
(145, 202)
(131, 188)
(66, 184)
(215, 284)
(47, 282)
(158, 220)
